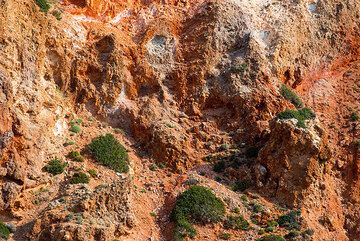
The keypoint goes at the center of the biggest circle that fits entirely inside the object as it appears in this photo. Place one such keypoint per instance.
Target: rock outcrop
(292, 160)
(83, 214)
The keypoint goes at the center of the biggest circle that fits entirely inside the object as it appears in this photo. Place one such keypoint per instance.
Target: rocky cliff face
(184, 80)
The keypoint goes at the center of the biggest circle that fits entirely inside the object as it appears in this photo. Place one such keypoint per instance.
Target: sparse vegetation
(79, 177)
(236, 210)
(239, 67)
(300, 115)
(291, 220)
(272, 224)
(354, 116)
(236, 223)
(220, 166)
(4, 231)
(75, 156)
(93, 173)
(153, 167)
(241, 185)
(291, 96)
(196, 205)
(75, 128)
(57, 14)
(69, 143)
(256, 207)
(224, 236)
(109, 152)
(292, 235)
(44, 5)
(271, 237)
(55, 166)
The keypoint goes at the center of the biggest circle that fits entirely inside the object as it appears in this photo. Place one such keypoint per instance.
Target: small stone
(11, 227)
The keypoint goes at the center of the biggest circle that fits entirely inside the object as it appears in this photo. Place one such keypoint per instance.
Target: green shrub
(219, 166)
(224, 236)
(75, 156)
(272, 224)
(92, 172)
(241, 185)
(236, 223)
(300, 115)
(44, 5)
(109, 152)
(291, 220)
(196, 205)
(75, 128)
(354, 116)
(271, 237)
(291, 96)
(269, 229)
(257, 208)
(69, 143)
(236, 210)
(307, 234)
(4, 231)
(292, 235)
(153, 167)
(79, 177)
(55, 166)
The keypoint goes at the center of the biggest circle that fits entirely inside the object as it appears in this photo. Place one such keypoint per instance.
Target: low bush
(354, 116)
(272, 224)
(256, 207)
(79, 177)
(92, 172)
(224, 236)
(44, 5)
(241, 185)
(292, 235)
(291, 96)
(236, 223)
(55, 166)
(300, 115)
(75, 128)
(196, 205)
(75, 156)
(291, 220)
(219, 166)
(4, 231)
(271, 237)
(109, 152)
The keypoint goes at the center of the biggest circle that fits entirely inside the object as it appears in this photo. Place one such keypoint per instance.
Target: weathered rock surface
(82, 214)
(181, 78)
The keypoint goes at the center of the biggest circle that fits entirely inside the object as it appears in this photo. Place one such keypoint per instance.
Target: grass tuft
(300, 115)
(44, 5)
(4, 231)
(291, 96)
